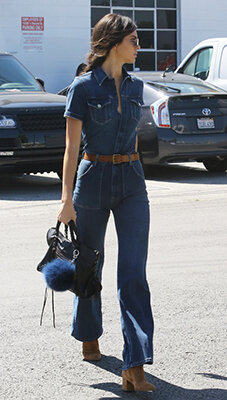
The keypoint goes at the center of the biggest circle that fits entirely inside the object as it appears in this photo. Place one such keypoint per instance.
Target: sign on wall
(32, 29)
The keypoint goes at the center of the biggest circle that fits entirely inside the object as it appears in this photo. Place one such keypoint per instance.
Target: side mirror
(64, 91)
(41, 82)
(171, 68)
(202, 75)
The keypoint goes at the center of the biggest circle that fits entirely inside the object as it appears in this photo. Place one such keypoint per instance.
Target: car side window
(202, 68)
(199, 64)
(189, 68)
(223, 64)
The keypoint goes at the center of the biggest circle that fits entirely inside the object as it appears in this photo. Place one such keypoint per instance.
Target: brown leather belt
(113, 158)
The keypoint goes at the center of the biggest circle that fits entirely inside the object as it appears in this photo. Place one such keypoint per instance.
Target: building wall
(64, 41)
(200, 20)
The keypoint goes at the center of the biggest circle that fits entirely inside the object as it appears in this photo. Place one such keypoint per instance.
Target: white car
(207, 61)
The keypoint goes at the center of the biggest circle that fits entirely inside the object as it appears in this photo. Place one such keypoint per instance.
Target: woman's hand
(66, 213)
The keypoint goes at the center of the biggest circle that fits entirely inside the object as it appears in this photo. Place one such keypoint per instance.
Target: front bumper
(31, 161)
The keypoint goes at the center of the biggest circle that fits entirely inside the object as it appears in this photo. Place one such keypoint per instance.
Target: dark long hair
(108, 31)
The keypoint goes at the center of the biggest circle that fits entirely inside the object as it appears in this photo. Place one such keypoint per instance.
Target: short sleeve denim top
(92, 98)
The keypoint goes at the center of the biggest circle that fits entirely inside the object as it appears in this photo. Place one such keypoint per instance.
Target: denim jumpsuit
(102, 187)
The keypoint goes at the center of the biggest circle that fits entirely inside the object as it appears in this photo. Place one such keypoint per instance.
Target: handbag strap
(44, 305)
(58, 227)
(72, 228)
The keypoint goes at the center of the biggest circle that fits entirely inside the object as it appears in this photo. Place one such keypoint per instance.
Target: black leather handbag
(69, 265)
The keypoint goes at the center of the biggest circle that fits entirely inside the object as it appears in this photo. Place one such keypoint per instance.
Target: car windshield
(182, 87)
(14, 77)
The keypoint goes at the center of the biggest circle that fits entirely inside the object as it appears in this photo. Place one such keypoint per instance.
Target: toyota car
(183, 119)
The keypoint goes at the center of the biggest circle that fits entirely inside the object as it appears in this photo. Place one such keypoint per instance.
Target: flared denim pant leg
(132, 224)
(87, 314)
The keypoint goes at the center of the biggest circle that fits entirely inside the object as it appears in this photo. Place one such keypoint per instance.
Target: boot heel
(133, 379)
(126, 385)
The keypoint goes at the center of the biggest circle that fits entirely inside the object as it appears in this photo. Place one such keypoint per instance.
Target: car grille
(9, 143)
(41, 122)
(55, 141)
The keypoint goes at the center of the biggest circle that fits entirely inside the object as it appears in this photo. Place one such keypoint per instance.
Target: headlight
(6, 122)
(160, 112)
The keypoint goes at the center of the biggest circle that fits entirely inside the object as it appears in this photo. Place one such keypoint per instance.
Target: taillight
(160, 112)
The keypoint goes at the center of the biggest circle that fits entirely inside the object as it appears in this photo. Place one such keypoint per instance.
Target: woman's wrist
(67, 201)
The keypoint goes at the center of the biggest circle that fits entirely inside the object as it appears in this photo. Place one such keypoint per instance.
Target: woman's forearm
(73, 137)
(69, 170)
(136, 146)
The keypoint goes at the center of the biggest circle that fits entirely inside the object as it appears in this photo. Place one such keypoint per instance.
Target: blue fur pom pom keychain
(59, 274)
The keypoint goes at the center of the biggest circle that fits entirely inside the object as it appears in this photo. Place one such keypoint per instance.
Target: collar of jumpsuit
(101, 76)
(93, 99)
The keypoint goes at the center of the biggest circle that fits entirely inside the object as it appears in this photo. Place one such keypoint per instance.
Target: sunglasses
(135, 42)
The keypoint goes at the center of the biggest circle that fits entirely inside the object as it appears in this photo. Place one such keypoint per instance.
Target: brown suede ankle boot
(134, 379)
(91, 351)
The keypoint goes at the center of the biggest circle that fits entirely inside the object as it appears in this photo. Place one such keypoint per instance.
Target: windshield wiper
(165, 87)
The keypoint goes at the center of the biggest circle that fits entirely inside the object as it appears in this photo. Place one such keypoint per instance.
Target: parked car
(32, 126)
(183, 119)
(207, 61)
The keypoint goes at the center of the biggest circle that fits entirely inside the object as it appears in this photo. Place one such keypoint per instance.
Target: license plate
(205, 123)
(6, 153)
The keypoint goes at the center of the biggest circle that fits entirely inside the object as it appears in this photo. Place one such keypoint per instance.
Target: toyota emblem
(206, 111)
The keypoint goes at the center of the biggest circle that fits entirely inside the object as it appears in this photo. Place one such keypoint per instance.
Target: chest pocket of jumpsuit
(135, 105)
(100, 110)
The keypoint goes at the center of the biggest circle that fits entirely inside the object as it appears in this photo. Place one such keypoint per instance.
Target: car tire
(146, 169)
(59, 173)
(215, 164)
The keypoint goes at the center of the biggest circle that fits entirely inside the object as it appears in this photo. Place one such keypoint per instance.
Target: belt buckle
(115, 158)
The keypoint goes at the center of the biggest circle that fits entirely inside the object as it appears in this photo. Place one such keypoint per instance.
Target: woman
(106, 102)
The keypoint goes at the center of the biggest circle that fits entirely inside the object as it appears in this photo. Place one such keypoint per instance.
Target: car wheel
(215, 164)
(145, 167)
(59, 173)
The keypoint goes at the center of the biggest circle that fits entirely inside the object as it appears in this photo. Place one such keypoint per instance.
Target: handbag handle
(72, 228)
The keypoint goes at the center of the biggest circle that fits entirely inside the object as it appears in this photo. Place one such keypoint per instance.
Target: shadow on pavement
(213, 376)
(47, 187)
(185, 174)
(30, 188)
(164, 390)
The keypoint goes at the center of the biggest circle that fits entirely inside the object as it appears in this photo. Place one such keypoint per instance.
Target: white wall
(200, 20)
(65, 39)
(66, 36)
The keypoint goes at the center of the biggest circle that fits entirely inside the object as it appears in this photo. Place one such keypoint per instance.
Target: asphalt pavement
(186, 271)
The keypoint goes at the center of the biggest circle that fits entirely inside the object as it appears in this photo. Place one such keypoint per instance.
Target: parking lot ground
(186, 271)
